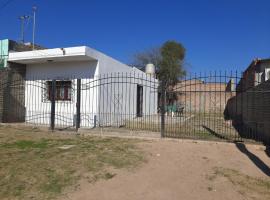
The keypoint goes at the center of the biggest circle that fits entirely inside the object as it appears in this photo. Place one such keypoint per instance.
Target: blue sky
(218, 34)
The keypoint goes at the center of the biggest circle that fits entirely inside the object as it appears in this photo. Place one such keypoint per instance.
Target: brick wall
(3, 80)
(198, 96)
(250, 112)
(12, 93)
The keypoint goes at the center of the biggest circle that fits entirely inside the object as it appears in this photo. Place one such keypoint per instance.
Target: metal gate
(228, 106)
(212, 106)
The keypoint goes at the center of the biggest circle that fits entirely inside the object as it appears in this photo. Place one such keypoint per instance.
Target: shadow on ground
(256, 160)
(267, 151)
(214, 133)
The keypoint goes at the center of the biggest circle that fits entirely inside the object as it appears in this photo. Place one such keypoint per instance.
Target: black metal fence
(208, 106)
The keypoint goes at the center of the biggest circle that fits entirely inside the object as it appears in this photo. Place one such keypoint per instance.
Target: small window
(62, 90)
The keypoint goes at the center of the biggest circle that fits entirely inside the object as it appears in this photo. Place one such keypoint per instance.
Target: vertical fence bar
(162, 109)
(185, 104)
(53, 104)
(78, 105)
(195, 106)
(236, 104)
(242, 90)
(225, 100)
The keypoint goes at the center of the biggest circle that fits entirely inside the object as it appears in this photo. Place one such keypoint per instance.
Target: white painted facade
(108, 87)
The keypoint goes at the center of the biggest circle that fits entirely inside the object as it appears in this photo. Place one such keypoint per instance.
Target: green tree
(168, 59)
(171, 65)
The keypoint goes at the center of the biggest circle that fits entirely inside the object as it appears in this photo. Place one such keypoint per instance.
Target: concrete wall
(250, 112)
(118, 90)
(110, 98)
(103, 99)
(38, 107)
(62, 70)
(118, 97)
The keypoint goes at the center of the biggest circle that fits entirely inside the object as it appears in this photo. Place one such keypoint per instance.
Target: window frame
(62, 86)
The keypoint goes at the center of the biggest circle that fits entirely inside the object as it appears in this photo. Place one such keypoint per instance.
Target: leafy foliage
(168, 60)
(171, 65)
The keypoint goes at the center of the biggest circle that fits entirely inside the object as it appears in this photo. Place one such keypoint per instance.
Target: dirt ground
(184, 169)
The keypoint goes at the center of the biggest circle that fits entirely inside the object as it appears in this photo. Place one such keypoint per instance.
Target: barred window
(62, 90)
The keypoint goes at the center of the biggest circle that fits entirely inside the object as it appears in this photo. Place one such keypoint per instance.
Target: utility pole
(34, 25)
(23, 18)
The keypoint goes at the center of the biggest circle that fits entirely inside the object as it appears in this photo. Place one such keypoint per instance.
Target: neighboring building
(104, 82)
(199, 96)
(3, 53)
(256, 73)
(249, 110)
(8, 111)
(7, 46)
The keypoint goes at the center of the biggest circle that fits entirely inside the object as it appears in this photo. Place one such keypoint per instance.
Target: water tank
(150, 69)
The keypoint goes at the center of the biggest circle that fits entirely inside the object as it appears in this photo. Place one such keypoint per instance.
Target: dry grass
(250, 187)
(34, 167)
(210, 126)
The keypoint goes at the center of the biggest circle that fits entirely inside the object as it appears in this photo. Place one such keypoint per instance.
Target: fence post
(53, 104)
(162, 109)
(78, 105)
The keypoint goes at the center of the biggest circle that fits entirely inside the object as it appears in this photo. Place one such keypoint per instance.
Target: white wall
(118, 90)
(108, 91)
(62, 70)
(38, 107)
(118, 97)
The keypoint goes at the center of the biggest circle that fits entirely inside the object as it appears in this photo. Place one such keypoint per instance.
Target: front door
(139, 100)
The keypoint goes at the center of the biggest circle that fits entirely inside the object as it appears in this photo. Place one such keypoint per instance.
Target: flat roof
(80, 53)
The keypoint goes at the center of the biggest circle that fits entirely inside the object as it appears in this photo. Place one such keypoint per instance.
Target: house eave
(51, 55)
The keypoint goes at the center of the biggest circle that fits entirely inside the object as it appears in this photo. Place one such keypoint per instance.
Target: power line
(5, 4)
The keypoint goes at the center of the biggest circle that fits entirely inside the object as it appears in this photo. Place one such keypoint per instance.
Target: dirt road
(186, 170)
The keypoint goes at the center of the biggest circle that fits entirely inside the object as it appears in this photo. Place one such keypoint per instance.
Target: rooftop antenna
(23, 18)
(34, 25)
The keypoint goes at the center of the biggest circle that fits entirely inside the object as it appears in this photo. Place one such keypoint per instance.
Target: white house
(111, 92)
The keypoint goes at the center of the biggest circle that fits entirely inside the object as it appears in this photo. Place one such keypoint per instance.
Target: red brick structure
(257, 72)
(12, 93)
(250, 108)
(250, 112)
(200, 96)
(12, 86)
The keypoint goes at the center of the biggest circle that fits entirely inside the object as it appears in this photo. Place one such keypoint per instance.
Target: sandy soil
(183, 169)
